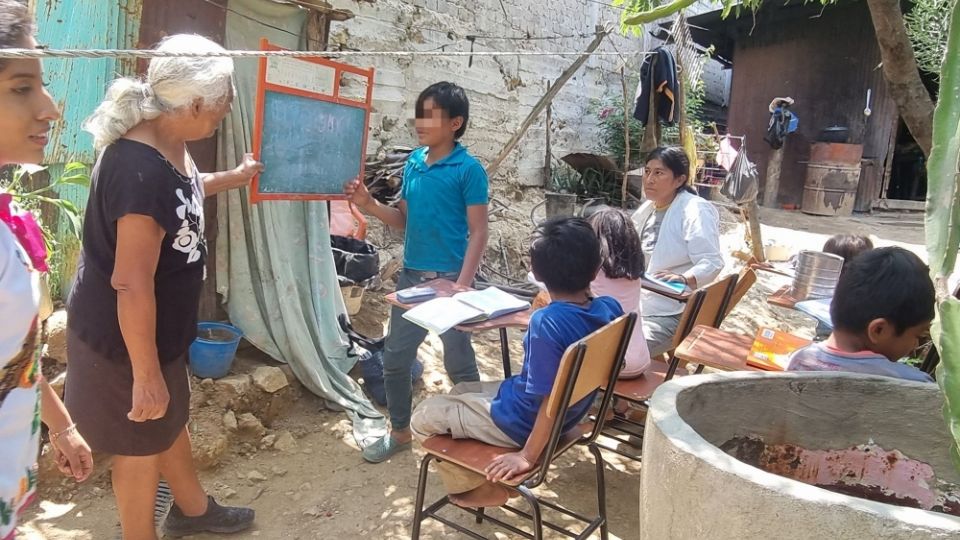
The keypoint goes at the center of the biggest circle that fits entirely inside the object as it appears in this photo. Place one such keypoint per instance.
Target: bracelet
(64, 431)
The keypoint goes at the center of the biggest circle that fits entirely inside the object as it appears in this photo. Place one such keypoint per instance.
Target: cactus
(943, 227)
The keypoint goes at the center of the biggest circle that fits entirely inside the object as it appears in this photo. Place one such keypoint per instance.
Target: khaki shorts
(464, 413)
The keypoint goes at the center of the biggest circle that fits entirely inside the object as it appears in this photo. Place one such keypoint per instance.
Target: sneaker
(383, 448)
(217, 519)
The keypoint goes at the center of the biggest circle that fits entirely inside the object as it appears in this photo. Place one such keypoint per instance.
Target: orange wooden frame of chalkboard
(263, 86)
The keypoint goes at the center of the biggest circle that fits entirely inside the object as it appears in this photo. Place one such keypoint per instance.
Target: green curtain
(274, 264)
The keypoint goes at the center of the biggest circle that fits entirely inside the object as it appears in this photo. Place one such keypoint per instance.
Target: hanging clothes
(275, 267)
(727, 154)
(657, 92)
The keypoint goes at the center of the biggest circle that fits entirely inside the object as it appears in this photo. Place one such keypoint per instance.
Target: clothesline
(142, 53)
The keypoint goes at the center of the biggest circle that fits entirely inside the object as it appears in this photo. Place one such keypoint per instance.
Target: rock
(57, 336)
(278, 405)
(305, 487)
(313, 511)
(249, 424)
(208, 448)
(270, 379)
(268, 441)
(256, 476)
(285, 442)
(291, 378)
(229, 493)
(230, 421)
(277, 471)
(234, 384)
(207, 384)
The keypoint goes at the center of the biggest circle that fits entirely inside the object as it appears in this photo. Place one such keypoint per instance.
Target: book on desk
(441, 314)
(772, 348)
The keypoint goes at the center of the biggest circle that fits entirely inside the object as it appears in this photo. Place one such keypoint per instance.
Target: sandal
(383, 448)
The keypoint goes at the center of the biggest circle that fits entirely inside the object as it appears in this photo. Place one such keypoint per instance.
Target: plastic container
(212, 353)
(352, 298)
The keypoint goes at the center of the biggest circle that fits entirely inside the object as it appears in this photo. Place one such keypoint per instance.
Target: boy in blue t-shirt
(882, 307)
(565, 256)
(443, 210)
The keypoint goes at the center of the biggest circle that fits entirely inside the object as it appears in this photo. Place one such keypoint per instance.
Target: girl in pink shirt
(619, 278)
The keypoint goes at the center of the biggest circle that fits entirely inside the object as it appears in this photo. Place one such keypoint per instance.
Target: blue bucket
(211, 354)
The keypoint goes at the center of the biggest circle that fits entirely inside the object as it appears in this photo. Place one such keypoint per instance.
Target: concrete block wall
(502, 89)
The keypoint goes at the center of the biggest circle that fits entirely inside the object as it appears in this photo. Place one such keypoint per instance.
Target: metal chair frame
(622, 429)
(552, 450)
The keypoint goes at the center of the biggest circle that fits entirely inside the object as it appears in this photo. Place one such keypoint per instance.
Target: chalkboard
(310, 136)
(309, 146)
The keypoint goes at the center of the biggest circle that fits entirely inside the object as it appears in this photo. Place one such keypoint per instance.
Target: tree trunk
(900, 70)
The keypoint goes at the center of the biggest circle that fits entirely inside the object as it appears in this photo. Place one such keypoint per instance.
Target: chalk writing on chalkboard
(309, 146)
(294, 73)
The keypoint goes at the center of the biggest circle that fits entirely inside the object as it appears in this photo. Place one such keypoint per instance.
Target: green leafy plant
(564, 179)
(16, 182)
(610, 117)
(928, 25)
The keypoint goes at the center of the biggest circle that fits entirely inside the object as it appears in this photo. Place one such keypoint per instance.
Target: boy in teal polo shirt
(443, 210)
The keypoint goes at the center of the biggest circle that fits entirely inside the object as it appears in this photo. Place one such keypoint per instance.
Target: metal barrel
(817, 275)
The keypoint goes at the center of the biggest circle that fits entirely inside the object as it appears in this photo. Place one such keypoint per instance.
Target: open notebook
(442, 314)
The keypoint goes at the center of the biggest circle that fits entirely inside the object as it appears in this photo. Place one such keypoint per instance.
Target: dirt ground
(319, 487)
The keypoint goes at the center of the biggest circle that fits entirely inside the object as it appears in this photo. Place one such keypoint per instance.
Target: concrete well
(690, 489)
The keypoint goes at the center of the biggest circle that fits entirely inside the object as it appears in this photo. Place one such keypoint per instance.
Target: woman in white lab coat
(680, 239)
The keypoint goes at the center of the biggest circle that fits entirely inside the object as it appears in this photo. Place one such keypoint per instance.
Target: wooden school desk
(520, 319)
(718, 349)
(782, 298)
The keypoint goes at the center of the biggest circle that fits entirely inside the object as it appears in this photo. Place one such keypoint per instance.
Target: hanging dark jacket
(658, 75)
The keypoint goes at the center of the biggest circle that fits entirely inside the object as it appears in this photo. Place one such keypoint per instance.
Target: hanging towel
(658, 76)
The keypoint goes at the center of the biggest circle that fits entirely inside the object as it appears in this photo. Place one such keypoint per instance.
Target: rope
(138, 53)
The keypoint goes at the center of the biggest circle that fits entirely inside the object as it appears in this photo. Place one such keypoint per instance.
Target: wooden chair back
(746, 280)
(593, 362)
(707, 306)
(715, 300)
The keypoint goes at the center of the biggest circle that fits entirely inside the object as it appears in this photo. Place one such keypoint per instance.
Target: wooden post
(548, 159)
(751, 211)
(626, 138)
(771, 184)
(602, 32)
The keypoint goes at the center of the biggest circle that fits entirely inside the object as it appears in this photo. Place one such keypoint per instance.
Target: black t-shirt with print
(134, 178)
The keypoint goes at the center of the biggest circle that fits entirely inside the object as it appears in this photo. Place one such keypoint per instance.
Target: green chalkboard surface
(309, 146)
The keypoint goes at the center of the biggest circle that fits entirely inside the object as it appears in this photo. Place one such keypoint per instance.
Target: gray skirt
(99, 394)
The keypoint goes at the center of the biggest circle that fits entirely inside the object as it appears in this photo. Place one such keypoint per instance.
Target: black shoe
(217, 519)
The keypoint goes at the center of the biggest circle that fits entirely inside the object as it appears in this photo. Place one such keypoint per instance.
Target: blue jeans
(400, 352)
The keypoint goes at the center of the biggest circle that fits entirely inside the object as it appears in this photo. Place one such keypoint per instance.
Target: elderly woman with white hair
(133, 310)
